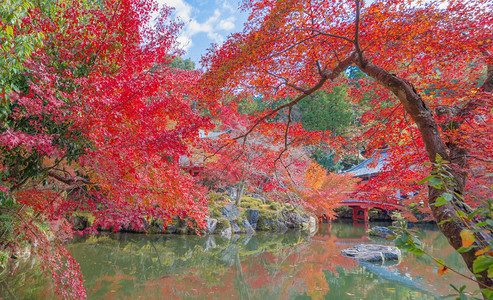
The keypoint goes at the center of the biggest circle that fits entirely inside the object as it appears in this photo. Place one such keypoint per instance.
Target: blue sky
(206, 22)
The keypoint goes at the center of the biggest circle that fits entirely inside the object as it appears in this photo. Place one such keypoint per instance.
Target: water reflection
(292, 265)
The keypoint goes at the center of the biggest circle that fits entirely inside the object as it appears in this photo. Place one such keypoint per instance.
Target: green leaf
(471, 215)
(488, 293)
(440, 201)
(460, 213)
(448, 196)
(416, 251)
(426, 179)
(466, 249)
(445, 221)
(482, 263)
(435, 182)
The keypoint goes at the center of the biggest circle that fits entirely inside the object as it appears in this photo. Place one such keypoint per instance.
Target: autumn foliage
(428, 66)
(94, 118)
(95, 124)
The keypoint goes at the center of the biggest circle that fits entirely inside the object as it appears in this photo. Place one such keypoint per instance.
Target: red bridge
(365, 170)
(361, 208)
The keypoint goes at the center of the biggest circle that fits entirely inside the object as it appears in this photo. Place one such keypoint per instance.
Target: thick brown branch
(356, 32)
(445, 215)
(70, 180)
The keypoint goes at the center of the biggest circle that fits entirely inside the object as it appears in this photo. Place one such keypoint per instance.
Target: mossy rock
(250, 202)
(215, 210)
(221, 224)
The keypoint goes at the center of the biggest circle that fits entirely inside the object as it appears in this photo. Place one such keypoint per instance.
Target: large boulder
(230, 212)
(236, 228)
(381, 231)
(247, 227)
(293, 218)
(252, 217)
(373, 253)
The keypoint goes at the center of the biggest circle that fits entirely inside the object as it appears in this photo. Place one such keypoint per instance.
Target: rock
(247, 227)
(373, 253)
(230, 212)
(232, 192)
(252, 217)
(380, 231)
(378, 215)
(79, 223)
(293, 219)
(182, 227)
(156, 227)
(236, 228)
(235, 238)
(282, 226)
(226, 233)
(171, 229)
(257, 196)
(211, 224)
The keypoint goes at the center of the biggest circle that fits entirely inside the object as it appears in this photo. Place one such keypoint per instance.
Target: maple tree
(94, 118)
(429, 65)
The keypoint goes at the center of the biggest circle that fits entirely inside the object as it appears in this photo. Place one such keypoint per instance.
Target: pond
(291, 265)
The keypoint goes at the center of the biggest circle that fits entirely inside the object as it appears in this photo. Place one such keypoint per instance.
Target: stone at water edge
(236, 228)
(380, 231)
(246, 225)
(226, 233)
(373, 253)
(252, 216)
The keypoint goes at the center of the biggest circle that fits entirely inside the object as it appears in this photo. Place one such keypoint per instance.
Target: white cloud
(216, 27)
(227, 24)
(182, 9)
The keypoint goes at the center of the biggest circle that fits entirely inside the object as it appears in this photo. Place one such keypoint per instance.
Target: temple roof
(369, 166)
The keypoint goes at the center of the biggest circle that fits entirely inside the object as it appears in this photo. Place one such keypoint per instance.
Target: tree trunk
(423, 117)
(241, 187)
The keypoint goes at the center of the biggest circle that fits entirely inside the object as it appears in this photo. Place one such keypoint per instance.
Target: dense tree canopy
(97, 107)
(94, 118)
(429, 65)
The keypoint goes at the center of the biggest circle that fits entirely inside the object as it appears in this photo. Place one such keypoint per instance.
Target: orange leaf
(443, 270)
(467, 237)
(482, 251)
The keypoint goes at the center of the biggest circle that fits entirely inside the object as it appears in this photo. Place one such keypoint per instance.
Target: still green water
(291, 265)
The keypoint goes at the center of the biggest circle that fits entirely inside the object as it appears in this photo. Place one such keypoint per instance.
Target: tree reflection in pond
(291, 265)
